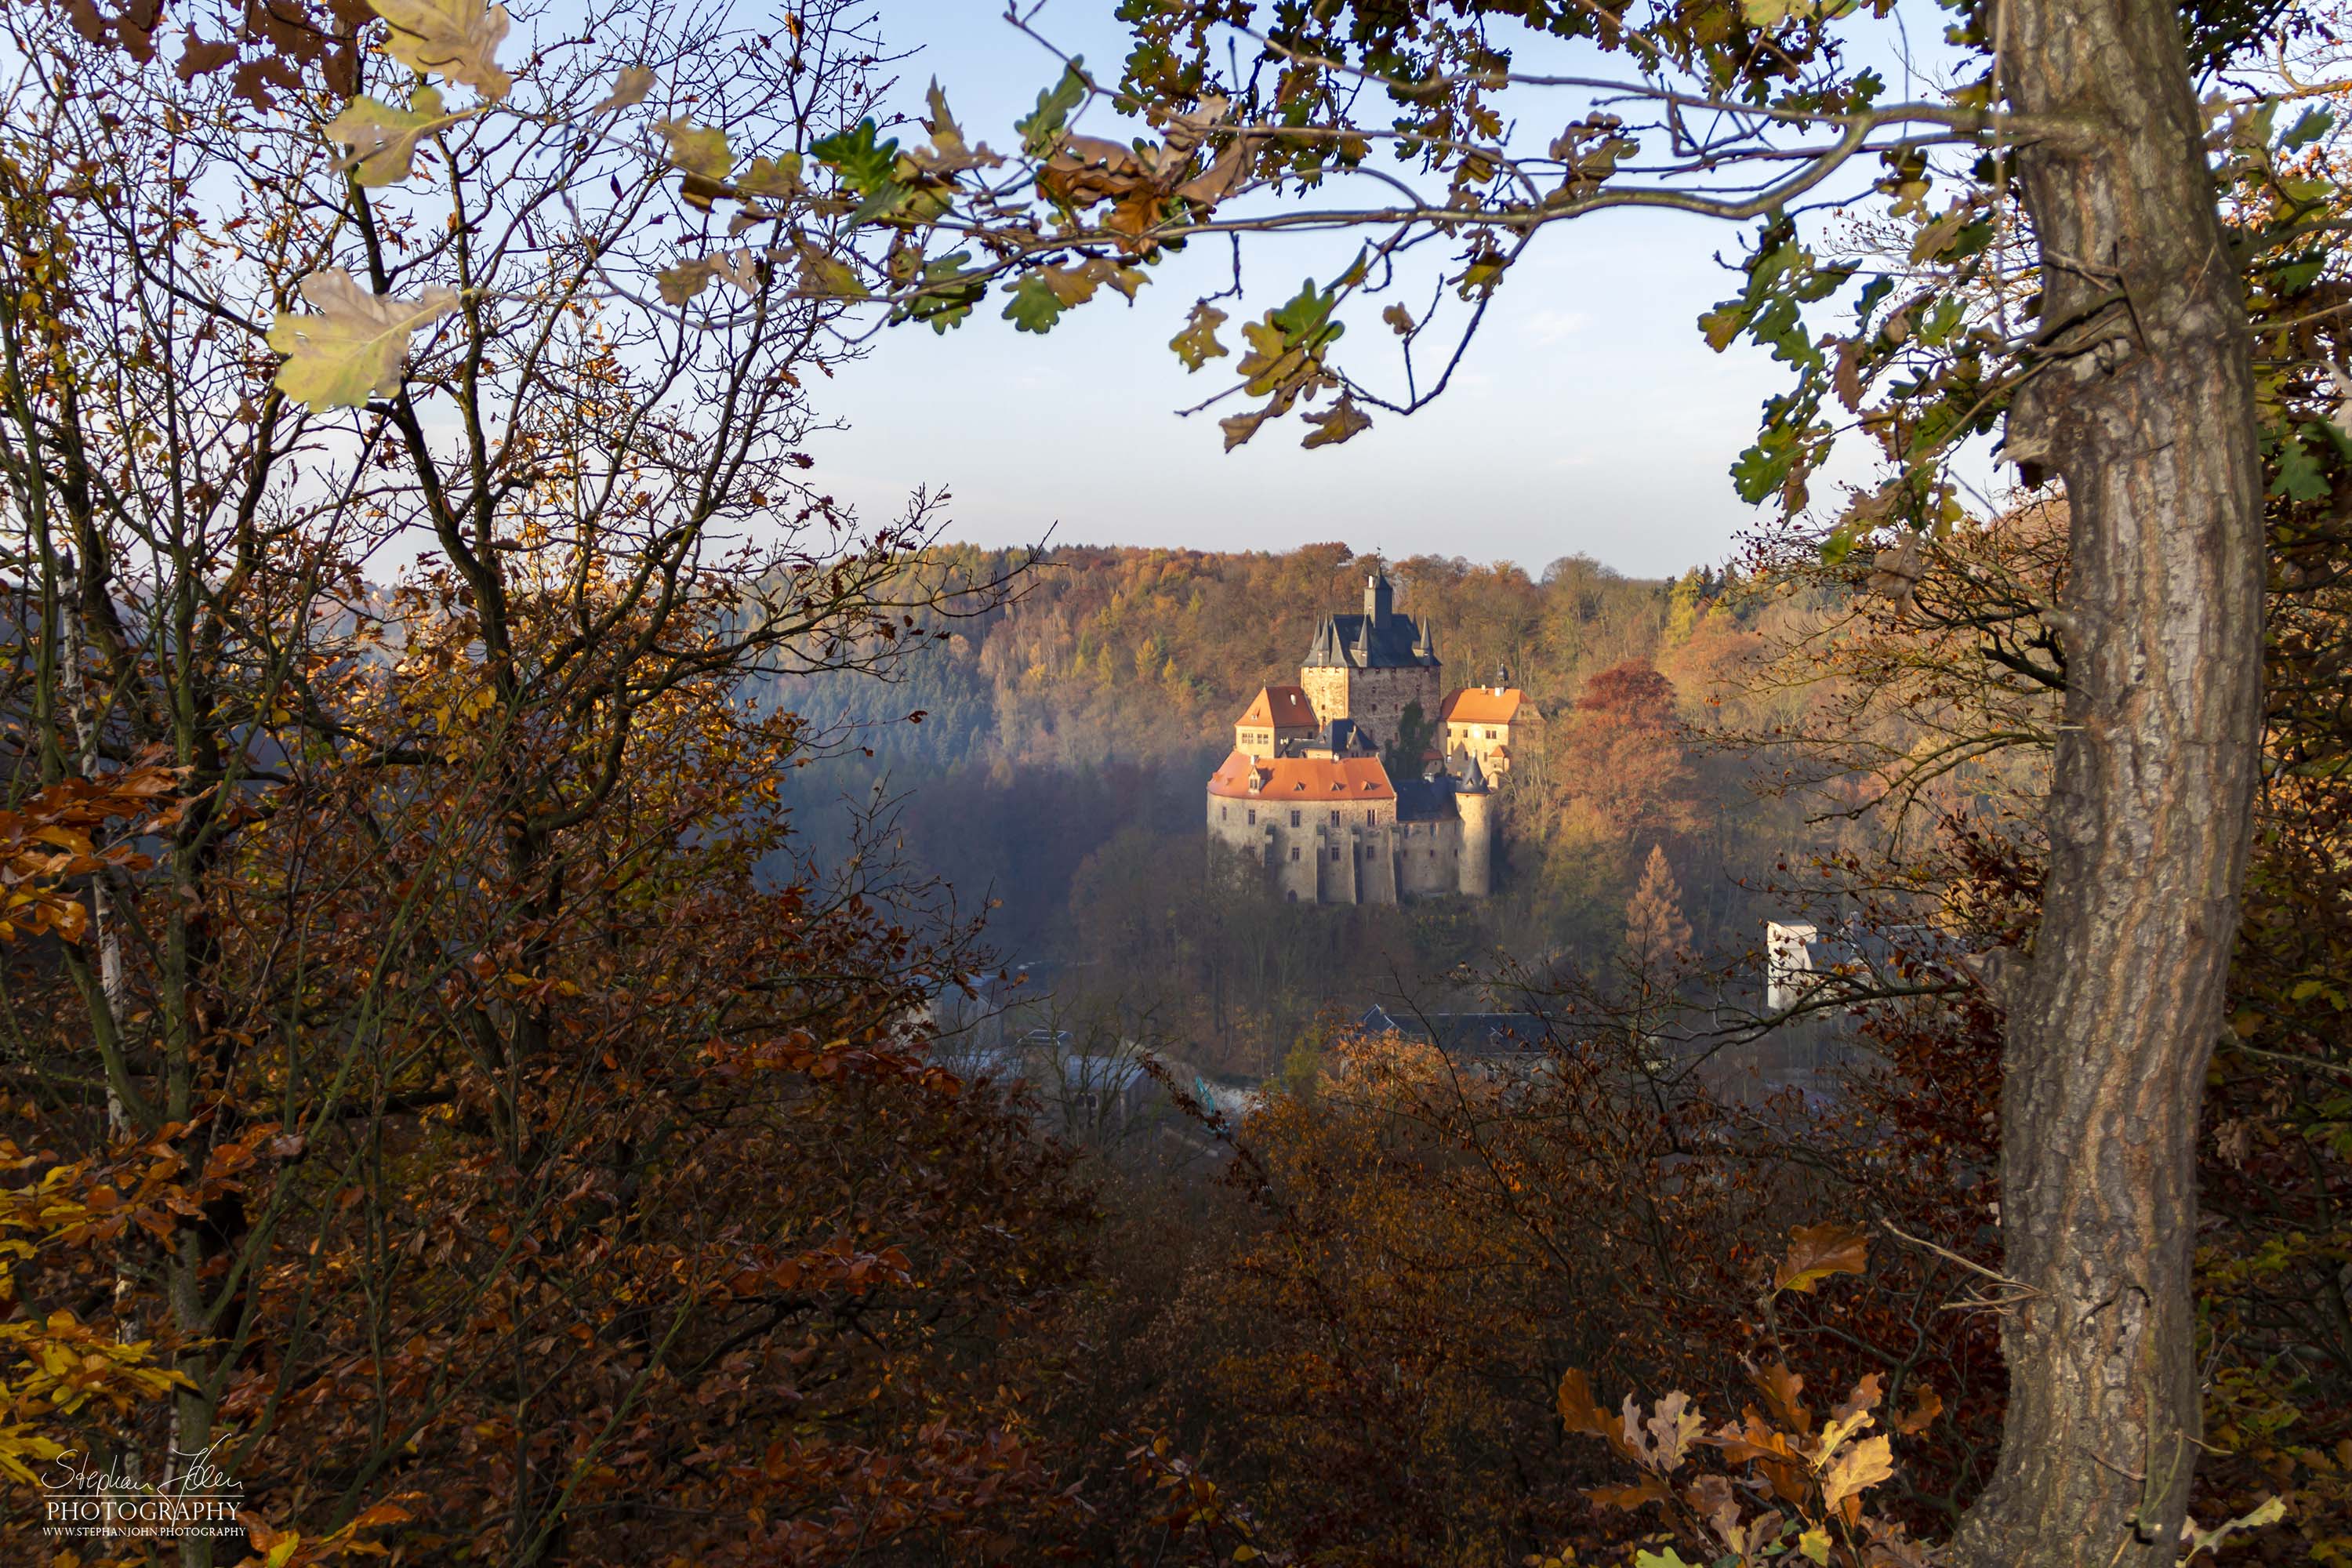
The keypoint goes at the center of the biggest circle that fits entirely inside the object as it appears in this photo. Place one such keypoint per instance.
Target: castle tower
(1476, 803)
(1381, 669)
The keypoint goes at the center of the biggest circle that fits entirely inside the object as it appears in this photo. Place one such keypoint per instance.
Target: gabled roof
(1486, 705)
(1279, 708)
(1356, 643)
(1300, 779)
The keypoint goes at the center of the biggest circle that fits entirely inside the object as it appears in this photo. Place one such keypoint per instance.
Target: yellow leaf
(384, 139)
(1866, 1464)
(454, 38)
(355, 347)
(1197, 344)
(829, 276)
(1815, 1544)
(698, 150)
(631, 87)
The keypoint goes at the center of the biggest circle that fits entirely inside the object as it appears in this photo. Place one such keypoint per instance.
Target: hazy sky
(1591, 418)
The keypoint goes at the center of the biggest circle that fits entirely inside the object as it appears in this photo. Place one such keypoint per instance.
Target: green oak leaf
(1043, 126)
(946, 295)
(1033, 306)
(355, 346)
(867, 164)
(2314, 124)
(2298, 478)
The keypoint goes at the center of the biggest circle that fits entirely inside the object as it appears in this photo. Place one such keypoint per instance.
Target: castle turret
(1476, 803)
(1380, 599)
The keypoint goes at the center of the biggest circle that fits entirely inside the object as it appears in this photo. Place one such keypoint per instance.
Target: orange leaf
(1865, 1397)
(1818, 1251)
(1915, 1421)
(1782, 1388)
(1647, 1490)
(1577, 1410)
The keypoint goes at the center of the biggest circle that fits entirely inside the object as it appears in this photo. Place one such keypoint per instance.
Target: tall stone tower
(1475, 800)
(1381, 670)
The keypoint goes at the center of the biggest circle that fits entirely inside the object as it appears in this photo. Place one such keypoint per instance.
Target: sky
(1590, 416)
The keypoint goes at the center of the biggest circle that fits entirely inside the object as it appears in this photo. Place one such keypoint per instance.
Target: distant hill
(1057, 776)
(1119, 654)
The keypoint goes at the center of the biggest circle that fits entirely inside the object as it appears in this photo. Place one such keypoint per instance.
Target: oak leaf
(1197, 344)
(383, 139)
(1913, 1422)
(1817, 1251)
(684, 281)
(829, 276)
(454, 38)
(1649, 1489)
(1578, 1410)
(949, 153)
(1864, 1465)
(1783, 1389)
(699, 151)
(1864, 1398)
(1342, 420)
(630, 87)
(355, 347)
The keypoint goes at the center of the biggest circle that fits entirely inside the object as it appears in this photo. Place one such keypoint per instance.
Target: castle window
(1335, 852)
(1221, 814)
(1294, 821)
(1294, 852)
(1335, 816)
(1253, 821)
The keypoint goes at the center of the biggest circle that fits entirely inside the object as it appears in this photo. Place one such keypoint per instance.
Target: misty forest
(574, 991)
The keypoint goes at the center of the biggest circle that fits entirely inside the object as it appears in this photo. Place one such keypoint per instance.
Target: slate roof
(1425, 800)
(1396, 642)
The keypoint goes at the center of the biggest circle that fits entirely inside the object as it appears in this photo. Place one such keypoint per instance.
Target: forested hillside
(1057, 768)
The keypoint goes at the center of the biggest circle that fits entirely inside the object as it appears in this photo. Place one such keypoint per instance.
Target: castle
(1360, 785)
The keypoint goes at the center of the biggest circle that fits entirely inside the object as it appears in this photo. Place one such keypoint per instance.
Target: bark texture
(2145, 405)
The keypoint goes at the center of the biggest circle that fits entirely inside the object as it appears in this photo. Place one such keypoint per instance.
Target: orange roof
(1485, 705)
(1279, 708)
(1244, 777)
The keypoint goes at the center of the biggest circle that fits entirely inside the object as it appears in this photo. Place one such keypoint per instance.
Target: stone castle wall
(1375, 698)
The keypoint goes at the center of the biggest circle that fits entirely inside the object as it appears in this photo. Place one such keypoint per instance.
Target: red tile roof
(1294, 779)
(1484, 705)
(1279, 707)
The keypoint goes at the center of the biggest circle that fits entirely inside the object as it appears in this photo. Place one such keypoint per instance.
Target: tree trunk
(2144, 403)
